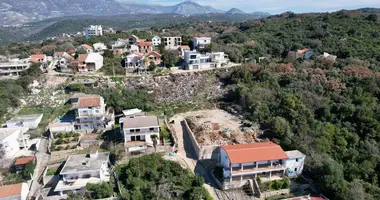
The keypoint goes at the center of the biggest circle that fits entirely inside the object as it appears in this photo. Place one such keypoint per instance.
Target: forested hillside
(326, 108)
(345, 34)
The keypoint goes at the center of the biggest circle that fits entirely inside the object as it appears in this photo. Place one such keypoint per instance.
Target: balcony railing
(259, 168)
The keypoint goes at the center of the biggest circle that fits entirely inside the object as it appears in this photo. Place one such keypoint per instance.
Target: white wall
(293, 164)
(32, 124)
(61, 129)
(11, 144)
(24, 191)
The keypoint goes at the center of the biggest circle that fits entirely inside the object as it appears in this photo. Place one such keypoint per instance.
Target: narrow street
(186, 156)
(42, 162)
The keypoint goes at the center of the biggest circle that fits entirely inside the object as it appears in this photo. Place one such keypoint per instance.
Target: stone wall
(182, 86)
(274, 193)
(191, 137)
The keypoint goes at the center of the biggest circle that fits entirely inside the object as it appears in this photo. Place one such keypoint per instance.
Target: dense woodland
(327, 109)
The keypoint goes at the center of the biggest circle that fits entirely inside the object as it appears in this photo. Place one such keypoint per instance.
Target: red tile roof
(10, 190)
(82, 57)
(37, 57)
(24, 160)
(153, 53)
(86, 46)
(246, 153)
(144, 44)
(89, 101)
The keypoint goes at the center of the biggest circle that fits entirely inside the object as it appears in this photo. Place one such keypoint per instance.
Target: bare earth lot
(218, 127)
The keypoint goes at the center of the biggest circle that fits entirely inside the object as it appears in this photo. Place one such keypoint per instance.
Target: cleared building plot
(218, 127)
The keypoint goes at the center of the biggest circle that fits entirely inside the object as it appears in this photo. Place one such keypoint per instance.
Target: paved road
(42, 162)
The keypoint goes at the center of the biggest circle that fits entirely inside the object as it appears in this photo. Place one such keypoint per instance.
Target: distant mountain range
(23, 11)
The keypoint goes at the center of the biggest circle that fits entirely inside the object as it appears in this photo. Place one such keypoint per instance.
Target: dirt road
(186, 156)
(42, 161)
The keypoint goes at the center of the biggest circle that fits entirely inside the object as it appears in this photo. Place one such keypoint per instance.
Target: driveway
(42, 162)
(186, 156)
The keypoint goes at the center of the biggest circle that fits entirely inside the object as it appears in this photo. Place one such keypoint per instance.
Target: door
(133, 138)
(138, 138)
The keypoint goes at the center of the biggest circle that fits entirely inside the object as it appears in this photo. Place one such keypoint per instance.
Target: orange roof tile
(82, 57)
(89, 101)
(37, 57)
(154, 52)
(302, 51)
(185, 47)
(24, 160)
(144, 44)
(245, 153)
(10, 190)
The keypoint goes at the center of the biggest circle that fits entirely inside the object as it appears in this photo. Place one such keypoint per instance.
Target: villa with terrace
(265, 159)
(82, 169)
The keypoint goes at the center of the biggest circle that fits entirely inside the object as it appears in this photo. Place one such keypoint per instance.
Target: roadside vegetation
(152, 177)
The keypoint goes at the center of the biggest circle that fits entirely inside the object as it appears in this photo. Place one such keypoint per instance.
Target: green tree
(99, 191)
(170, 58)
(29, 169)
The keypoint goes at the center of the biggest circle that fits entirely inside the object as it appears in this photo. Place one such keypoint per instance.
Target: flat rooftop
(140, 122)
(294, 154)
(84, 163)
(26, 117)
(5, 132)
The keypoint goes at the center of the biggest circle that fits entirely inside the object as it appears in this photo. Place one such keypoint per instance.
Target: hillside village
(75, 142)
(160, 114)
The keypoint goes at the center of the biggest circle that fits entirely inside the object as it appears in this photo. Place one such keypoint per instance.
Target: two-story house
(138, 131)
(264, 159)
(153, 57)
(90, 62)
(156, 41)
(145, 47)
(90, 112)
(14, 67)
(82, 169)
(195, 60)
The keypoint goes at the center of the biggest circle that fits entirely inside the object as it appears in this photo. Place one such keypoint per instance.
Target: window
(151, 129)
(296, 159)
(137, 130)
(132, 130)
(295, 169)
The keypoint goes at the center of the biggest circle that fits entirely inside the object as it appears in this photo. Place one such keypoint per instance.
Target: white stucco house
(82, 169)
(12, 140)
(138, 130)
(29, 121)
(201, 42)
(90, 62)
(195, 60)
(156, 41)
(90, 112)
(99, 47)
(14, 192)
(265, 159)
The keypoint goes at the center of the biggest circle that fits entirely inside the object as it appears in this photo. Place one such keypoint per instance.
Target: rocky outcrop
(182, 86)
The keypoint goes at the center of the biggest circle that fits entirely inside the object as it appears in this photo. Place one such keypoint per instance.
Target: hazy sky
(278, 6)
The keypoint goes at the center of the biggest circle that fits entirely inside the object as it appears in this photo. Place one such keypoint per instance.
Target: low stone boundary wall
(274, 193)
